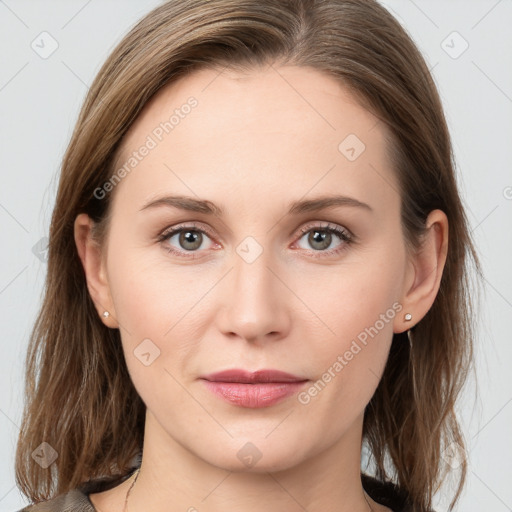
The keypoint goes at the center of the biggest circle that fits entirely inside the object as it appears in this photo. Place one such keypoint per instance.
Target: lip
(259, 376)
(261, 388)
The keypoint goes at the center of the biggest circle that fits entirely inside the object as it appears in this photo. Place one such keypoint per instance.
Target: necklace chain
(125, 509)
(364, 493)
(129, 490)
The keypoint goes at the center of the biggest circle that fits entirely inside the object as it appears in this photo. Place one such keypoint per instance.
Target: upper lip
(243, 376)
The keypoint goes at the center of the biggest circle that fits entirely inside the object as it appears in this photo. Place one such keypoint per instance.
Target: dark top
(77, 500)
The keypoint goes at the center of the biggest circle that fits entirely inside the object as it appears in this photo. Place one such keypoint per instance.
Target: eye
(181, 240)
(188, 240)
(320, 238)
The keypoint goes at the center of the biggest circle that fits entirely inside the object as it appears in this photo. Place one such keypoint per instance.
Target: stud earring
(106, 314)
(407, 317)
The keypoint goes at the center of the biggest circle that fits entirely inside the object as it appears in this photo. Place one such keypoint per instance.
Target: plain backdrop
(468, 46)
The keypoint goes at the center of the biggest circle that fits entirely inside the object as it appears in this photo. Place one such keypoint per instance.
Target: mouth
(261, 388)
(257, 377)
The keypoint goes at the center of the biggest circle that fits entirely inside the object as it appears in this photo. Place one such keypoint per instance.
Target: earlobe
(93, 264)
(425, 270)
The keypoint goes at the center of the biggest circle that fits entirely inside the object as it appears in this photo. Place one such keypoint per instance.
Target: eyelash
(346, 237)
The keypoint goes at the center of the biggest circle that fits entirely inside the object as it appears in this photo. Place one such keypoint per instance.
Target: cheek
(160, 309)
(350, 297)
(151, 296)
(151, 307)
(358, 307)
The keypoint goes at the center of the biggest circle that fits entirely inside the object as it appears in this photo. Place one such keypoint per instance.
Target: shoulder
(72, 501)
(387, 494)
(76, 500)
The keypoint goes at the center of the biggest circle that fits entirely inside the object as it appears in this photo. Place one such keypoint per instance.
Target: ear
(424, 272)
(95, 269)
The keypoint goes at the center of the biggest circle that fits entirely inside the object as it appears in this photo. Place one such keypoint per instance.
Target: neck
(171, 473)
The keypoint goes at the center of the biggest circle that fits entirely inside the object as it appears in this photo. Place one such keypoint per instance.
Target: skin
(256, 142)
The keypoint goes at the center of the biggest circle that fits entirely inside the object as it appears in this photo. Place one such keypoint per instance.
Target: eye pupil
(324, 239)
(192, 237)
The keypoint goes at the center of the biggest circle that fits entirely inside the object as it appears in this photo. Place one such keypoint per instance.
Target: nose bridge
(251, 275)
(254, 307)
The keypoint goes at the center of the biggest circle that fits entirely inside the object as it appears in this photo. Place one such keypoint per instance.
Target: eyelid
(192, 226)
(336, 228)
(346, 236)
(304, 229)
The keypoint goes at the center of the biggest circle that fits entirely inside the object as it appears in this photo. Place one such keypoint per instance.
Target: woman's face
(260, 283)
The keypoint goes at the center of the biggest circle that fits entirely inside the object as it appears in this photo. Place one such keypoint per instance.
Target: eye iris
(324, 239)
(191, 240)
(193, 237)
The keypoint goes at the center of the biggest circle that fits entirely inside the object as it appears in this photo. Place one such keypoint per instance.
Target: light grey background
(39, 102)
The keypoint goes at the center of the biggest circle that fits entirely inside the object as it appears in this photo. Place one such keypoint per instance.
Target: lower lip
(254, 395)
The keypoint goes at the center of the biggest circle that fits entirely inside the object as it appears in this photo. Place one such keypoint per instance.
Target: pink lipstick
(261, 388)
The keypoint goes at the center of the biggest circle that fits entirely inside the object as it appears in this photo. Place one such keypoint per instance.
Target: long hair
(79, 397)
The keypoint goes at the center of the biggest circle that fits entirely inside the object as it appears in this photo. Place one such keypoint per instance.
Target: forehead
(304, 100)
(288, 125)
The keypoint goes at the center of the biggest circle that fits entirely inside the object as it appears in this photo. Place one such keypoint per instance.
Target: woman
(258, 266)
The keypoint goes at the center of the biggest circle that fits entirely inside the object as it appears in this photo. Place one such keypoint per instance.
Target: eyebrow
(297, 207)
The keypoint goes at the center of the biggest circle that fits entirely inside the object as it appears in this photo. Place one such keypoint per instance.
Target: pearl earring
(407, 317)
(106, 314)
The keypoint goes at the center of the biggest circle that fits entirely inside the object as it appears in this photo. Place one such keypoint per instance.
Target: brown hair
(79, 396)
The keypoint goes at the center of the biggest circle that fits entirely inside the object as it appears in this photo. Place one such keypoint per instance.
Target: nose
(256, 306)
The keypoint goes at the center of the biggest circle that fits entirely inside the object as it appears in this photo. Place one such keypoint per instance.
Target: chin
(254, 456)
